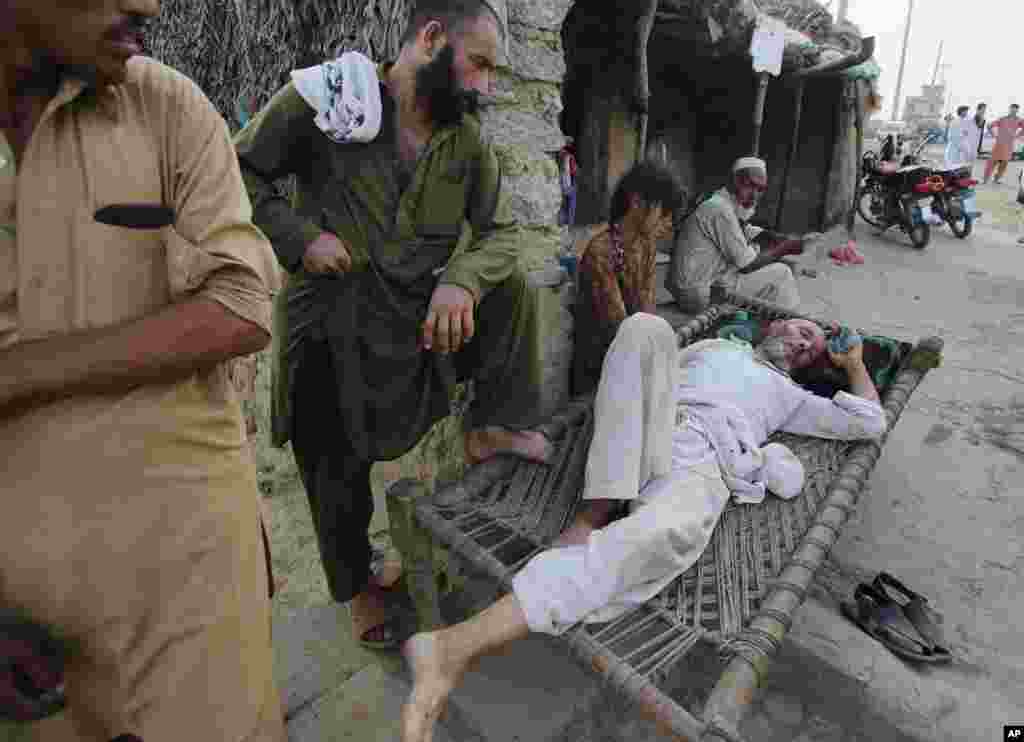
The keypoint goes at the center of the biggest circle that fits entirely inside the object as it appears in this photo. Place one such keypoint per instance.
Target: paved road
(946, 507)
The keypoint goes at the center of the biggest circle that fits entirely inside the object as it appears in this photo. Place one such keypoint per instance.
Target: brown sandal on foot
(385, 635)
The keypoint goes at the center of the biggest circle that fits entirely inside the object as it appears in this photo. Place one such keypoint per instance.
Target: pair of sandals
(895, 615)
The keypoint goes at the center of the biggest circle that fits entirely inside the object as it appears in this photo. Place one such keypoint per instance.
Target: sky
(982, 48)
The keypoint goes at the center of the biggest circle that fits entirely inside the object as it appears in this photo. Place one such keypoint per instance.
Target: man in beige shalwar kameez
(130, 520)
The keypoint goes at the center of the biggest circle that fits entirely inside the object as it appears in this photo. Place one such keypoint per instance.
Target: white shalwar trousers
(774, 283)
(675, 497)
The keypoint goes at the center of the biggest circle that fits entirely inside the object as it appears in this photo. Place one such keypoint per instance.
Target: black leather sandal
(883, 618)
(915, 608)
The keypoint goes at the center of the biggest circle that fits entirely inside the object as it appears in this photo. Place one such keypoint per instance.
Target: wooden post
(416, 546)
(762, 92)
(642, 93)
(858, 113)
(791, 155)
(833, 158)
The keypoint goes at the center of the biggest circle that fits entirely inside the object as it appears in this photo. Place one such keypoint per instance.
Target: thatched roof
(243, 50)
(711, 28)
(600, 42)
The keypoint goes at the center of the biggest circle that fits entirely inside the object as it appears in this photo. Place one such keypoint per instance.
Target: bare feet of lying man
(433, 680)
(483, 443)
(439, 659)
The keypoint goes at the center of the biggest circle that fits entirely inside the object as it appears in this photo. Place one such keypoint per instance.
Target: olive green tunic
(446, 221)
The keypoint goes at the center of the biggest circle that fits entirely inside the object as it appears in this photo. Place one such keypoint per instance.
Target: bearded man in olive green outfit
(404, 279)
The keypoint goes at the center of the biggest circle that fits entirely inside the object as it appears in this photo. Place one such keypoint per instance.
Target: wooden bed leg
(728, 702)
(416, 546)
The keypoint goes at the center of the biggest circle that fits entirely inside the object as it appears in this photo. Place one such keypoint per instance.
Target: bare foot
(432, 683)
(484, 443)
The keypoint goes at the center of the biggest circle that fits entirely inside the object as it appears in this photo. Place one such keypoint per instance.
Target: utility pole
(903, 62)
(841, 12)
(949, 89)
(938, 59)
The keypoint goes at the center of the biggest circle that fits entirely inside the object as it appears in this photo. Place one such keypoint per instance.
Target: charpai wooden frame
(741, 595)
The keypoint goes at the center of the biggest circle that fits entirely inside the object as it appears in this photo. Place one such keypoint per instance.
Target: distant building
(927, 107)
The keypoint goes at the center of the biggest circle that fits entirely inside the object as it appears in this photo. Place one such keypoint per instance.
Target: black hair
(982, 105)
(452, 14)
(1014, 105)
(960, 110)
(653, 183)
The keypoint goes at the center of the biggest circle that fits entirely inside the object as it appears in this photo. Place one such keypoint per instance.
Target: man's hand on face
(851, 359)
(327, 255)
(449, 323)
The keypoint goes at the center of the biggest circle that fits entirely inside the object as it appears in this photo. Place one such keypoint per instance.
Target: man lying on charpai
(676, 433)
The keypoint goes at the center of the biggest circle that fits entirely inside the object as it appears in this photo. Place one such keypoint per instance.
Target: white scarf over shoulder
(345, 93)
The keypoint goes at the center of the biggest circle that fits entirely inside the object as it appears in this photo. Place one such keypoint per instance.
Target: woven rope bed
(742, 593)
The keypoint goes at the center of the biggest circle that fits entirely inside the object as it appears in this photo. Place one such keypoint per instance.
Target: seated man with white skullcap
(717, 244)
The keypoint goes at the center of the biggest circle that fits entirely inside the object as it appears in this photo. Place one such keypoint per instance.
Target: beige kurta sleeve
(213, 249)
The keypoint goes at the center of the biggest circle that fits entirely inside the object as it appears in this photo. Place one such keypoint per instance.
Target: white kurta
(961, 144)
(714, 246)
(664, 459)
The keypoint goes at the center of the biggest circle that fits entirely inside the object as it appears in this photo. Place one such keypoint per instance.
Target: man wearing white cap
(676, 433)
(717, 244)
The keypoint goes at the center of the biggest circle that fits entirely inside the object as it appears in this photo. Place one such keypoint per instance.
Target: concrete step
(829, 683)
(336, 691)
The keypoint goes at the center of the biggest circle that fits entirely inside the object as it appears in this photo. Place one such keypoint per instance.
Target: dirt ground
(998, 202)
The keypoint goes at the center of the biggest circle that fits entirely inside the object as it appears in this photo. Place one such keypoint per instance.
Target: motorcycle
(892, 195)
(954, 199)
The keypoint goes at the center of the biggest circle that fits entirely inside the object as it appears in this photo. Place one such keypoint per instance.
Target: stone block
(534, 199)
(546, 14)
(533, 59)
(542, 98)
(526, 130)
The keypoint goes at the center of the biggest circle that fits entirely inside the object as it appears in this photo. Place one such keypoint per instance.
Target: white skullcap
(750, 163)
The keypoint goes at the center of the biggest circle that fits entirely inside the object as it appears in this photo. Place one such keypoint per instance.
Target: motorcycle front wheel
(920, 235)
(871, 195)
(961, 227)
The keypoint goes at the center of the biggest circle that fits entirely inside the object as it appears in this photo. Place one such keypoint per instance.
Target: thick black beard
(437, 87)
